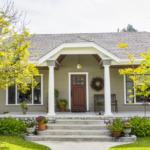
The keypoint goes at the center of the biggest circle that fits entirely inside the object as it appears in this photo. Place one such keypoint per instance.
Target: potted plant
(127, 128)
(47, 106)
(116, 127)
(24, 107)
(30, 128)
(62, 103)
(41, 121)
(56, 97)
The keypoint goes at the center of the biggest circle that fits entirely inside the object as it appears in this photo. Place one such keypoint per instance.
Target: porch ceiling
(61, 58)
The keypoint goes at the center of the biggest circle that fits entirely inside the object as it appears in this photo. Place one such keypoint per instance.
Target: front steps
(77, 130)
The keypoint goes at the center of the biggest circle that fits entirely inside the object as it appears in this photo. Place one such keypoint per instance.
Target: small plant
(100, 102)
(30, 125)
(56, 93)
(127, 125)
(41, 120)
(24, 106)
(116, 125)
(62, 102)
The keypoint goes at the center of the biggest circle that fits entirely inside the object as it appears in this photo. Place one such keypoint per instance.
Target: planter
(24, 111)
(41, 126)
(30, 131)
(62, 108)
(116, 134)
(127, 131)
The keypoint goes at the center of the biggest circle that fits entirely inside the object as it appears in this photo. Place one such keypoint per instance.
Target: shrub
(140, 126)
(12, 126)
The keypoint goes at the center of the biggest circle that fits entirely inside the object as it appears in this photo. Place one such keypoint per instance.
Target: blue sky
(84, 16)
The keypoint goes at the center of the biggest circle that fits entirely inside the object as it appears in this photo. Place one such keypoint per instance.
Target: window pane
(11, 95)
(37, 91)
(78, 80)
(129, 85)
(82, 80)
(74, 80)
(130, 99)
(128, 79)
(130, 93)
(27, 97)
(139, 99)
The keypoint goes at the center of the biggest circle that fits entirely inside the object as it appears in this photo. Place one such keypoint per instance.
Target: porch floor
(78, 114)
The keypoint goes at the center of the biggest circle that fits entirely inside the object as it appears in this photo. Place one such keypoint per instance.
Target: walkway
(79, 145)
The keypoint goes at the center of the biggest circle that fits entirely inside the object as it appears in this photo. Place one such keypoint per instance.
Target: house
(57, 62)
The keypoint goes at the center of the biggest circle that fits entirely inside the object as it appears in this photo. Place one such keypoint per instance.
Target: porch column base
(51, 114)
(108, 114)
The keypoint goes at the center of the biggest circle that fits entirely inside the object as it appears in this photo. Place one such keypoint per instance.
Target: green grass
(142, 143)
(18, 143)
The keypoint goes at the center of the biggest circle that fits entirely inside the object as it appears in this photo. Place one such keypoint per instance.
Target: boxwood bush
(12, 126)
(141, 126)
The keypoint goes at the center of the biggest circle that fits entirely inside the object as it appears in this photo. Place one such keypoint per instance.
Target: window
(129, 86)
(32, 96)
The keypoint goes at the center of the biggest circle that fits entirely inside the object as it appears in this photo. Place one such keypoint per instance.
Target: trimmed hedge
(12, 126)
(141, 126)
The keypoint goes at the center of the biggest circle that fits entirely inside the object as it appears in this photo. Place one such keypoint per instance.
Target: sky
(83, 16)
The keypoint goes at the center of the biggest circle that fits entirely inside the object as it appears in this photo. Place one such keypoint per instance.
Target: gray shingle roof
(137, 42)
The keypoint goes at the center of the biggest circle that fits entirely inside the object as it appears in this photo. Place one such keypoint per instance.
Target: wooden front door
(78, 93)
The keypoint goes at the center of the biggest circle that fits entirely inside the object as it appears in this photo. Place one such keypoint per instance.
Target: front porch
(77, 115)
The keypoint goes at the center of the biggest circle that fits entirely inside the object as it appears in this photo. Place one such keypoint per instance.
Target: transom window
(32, 96)
(129, 86)
(78, 80)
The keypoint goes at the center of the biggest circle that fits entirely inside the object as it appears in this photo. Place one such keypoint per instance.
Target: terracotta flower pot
(41, 126)
(62, 108)
(116, 134)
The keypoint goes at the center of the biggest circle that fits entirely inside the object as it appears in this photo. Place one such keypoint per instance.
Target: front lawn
(142, 143)
(18, 143)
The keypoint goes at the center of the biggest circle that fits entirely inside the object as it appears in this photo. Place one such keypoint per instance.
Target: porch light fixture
(79, 66)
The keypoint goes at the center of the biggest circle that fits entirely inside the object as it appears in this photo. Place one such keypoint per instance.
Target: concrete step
(75, 127)
(74, 132)
(78, 121)
(78, 138)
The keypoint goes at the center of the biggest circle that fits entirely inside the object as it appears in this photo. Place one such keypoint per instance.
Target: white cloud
(70, 16)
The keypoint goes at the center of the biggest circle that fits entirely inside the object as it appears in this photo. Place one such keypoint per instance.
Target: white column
(51, 96)
(107, 93)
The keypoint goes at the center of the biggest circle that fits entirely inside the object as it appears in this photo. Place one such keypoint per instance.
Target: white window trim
(125, 96)
(87, 88)
(32, 94)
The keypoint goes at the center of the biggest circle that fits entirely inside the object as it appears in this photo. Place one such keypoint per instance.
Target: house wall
(32, 108)
(91, 66)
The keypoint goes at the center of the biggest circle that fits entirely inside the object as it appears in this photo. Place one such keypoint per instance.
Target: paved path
(79, 145)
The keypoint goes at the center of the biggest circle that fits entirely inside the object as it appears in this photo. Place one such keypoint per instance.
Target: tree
(139, 76)
(129, 29)
(15, 67)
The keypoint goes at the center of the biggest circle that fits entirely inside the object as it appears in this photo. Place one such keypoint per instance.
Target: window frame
(16, 103)
(125, 94)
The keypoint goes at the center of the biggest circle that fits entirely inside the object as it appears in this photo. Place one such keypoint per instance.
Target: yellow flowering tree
(15, 67)
(139, 75)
